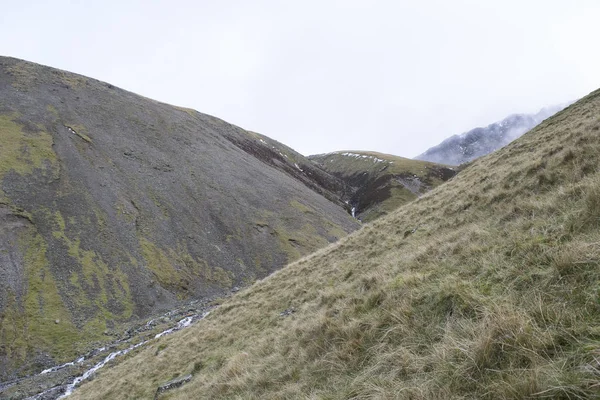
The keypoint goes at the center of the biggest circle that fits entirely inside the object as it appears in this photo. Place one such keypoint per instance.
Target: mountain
(379, 183)
(294, 164)
(486, 287)
(459, 149)
(114, 207)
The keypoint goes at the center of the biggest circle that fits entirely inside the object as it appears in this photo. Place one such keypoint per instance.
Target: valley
(153, 251)
(485, 287)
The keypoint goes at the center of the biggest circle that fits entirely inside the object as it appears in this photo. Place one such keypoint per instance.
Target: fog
(389, 76)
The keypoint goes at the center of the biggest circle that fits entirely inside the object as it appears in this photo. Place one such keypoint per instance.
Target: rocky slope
(459, 149)
(114, 206)
(379, 183)
(294, 164)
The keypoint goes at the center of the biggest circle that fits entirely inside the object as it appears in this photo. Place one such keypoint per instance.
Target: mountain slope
(294, 164)
(459, 149)
(114, 206)
(486, 287)
(379, 183)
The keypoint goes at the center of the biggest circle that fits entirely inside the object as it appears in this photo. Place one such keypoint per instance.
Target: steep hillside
(379, 183)
(294, 164)
(114, 206)
(487, 287)
(478, 142)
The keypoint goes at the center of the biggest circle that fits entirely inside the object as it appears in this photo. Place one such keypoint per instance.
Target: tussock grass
(488, 287)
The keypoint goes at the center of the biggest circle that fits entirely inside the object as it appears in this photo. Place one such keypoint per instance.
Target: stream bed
(58, 382)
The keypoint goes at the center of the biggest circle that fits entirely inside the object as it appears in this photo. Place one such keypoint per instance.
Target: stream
(60, 381)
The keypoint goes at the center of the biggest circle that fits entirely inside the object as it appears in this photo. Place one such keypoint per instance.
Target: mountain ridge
(467, 146)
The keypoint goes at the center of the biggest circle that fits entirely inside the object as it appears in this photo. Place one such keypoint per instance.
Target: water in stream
(62, 390)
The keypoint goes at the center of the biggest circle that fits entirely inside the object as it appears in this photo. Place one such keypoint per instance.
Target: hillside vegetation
(487, 287)
(379, 183)
(114, 207)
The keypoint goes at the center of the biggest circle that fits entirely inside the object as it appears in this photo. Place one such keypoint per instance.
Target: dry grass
(495, 295)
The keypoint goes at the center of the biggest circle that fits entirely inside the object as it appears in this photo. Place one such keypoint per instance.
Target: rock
(287, 312)
(175, 383)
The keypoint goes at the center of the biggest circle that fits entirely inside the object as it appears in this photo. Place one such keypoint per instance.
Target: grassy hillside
(487, 287)
(114, 207)
(380, 183)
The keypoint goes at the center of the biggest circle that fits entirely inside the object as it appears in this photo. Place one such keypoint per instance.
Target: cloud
(391, 76)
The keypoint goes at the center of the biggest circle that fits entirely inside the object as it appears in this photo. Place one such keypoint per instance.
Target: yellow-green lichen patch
(158, 203)
(24, 152)
(48, 322)
(299, 242)
(73, 80)
(189, 267)
(24, 74)
(50, 108)
(160, 265)
(222, 277)
(124, 211)
(335, 232)
(302, 207)
(95, 284)
(13, 342)
(191, 112)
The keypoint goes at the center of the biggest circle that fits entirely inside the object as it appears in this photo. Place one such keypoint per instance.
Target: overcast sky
(390, 76)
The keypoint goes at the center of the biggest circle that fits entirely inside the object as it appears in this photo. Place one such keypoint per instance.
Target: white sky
(391, 76)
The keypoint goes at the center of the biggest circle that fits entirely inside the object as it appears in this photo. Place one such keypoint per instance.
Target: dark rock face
(114, 206)
(459, 149)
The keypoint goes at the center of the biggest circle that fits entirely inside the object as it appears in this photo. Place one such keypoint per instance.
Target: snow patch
(375, 159)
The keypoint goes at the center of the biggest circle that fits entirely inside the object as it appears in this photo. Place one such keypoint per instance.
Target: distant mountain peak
(467, 146)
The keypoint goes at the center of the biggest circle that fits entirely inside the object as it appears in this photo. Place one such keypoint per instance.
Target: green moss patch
(24, 152)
